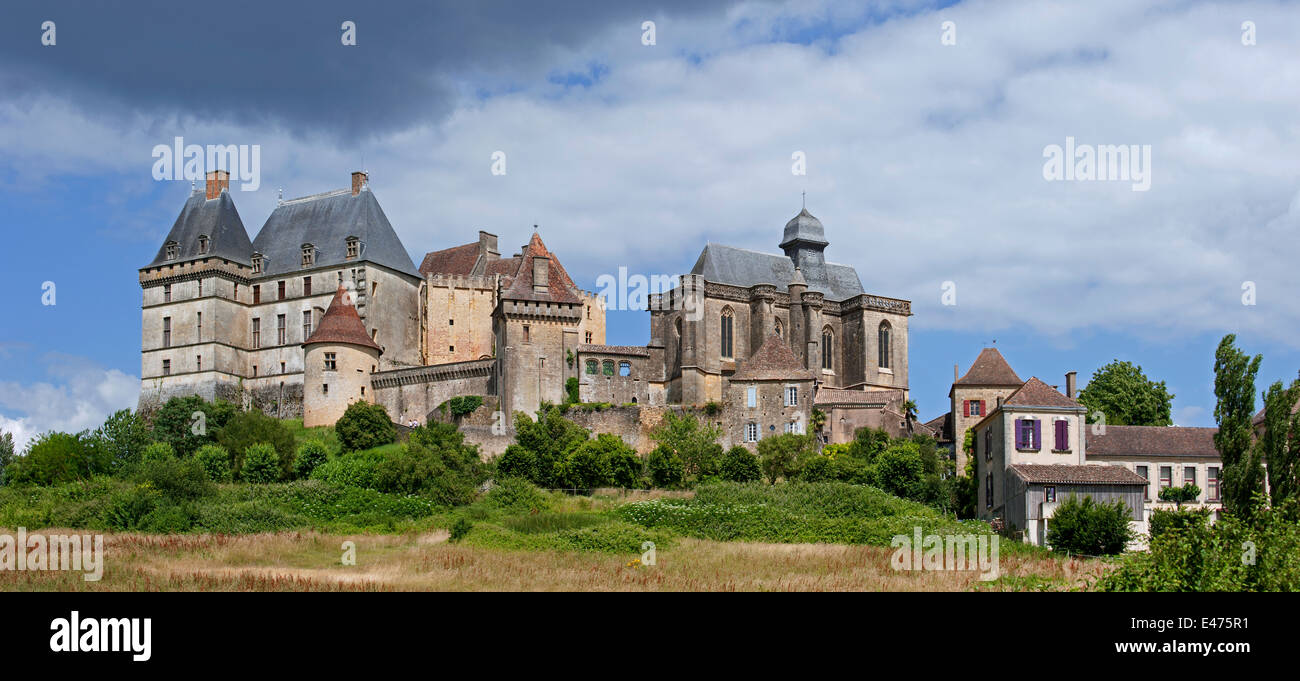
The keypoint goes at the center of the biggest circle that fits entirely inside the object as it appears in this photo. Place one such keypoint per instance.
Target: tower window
(526, 333)
(306, 286)
(884, 345)
(257, 293)
(306, 325)
(167, 332)
(167, 367)
(199, 326)
(257, 263)
(167, 293)
(257, 333)
(308, 255)
(280, 290)
(203, 244)
(331, 363)
(354, 248)
(173, 250)
(279, 329)
(728, 319)
(828, 348)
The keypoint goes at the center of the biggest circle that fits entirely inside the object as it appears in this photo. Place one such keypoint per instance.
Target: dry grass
(308, 561)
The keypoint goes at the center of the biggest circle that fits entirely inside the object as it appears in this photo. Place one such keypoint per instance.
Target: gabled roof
(843, 396)
(941, 425)
(216, 218)
(1035, 393)
(990, 368)
(519, 283)
(1171, 441)
(458, 260)
(1075, 474)
(342, 324)
(742, 267)
(326, 221)
(774, 361)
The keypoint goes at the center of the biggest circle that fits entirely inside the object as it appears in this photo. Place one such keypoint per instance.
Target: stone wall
(413, 393)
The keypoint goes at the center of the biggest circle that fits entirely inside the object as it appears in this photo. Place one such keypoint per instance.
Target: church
(325, 307)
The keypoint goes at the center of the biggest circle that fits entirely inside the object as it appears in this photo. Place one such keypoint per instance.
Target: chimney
(487, 244)
(541, 272)
(1070, 378)
(218, 181)
(360, 179)
(956, 373)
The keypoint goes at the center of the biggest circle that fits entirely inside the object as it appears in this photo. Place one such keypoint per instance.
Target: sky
(923, 128)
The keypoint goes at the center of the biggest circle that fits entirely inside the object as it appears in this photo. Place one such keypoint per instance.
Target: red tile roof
(639, 350)
(1035, 393)
(1078, 475)
(990, 368)
(843, 396)
(774, 361)
(455, 260)
(1171, 441)
(342, 324)
(1259, 415)
(559, 287)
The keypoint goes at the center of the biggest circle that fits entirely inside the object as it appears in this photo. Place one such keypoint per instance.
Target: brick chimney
(1070, 379)
(487, 244)
(359, 179)
(955, 373)
(218, 181)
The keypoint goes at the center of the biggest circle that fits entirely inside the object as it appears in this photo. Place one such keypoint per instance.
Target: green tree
(1127, 397)
(899, 470)
(261, 464)
(1088, 528)
(517, 462)
(215, 461)
(187, 423)
(868, 443)
(58, 457)
(1184, 494)
(6, 455)
(586, 466)
(1234, 390)
(665, 467)
(549, 438)
(695, 443)
(157, 451)
(364, 426)
(436, 463)
(309, 455)
(249, 428)
(1279, 444)
(780, 454)
(122, 437)
(740, 465)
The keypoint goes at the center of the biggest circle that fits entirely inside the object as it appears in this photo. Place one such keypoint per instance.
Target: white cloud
(80, 396)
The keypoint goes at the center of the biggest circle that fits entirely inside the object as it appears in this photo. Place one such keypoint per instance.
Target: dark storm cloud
(252, 62)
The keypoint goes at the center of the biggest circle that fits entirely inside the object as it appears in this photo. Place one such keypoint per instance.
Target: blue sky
(924, 162)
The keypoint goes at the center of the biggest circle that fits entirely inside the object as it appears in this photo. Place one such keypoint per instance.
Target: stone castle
(325, 307)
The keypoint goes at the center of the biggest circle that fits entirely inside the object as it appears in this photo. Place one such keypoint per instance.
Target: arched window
(728, 321)
(884, 345)
(591, 366)
(780, 330)
(625, 368)
(828, 348)
(608, 367)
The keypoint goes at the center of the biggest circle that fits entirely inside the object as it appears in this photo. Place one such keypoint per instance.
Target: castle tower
(339, 358)
(798, 324)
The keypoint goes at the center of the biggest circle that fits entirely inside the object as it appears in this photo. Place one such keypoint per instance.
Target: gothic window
(728, 321)
(173, 250)
(203, 243)
(591, 366)
(884, 345)
(828, 348)
(780, 330)
(308, 255)
(624, 368)
(608, 367)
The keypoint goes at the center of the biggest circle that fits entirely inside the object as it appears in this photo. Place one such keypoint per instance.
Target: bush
(464, 404)
(354, 469)
(517, 462)
(123, 438)
(740, 465)
(364, 426)
(1165, 520)
(249, 428)
(157, 451)
(127, 510)
(571, 390)
(175, 479)
(176, 424)
(261, 464)
(215, 461)
(436, 463)
(625, 467)
(665, 467)
(694, 443)
(780, 454)
(58, 457)
(459, 529)
(517, 496)
(310, 454)
(1088, 528)
(585, 467)
(549, 439)
(899, 471)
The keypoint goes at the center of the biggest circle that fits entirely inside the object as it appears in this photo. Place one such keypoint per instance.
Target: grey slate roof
(743, 267)
(216, 218)
(804, 228)
(326, 221)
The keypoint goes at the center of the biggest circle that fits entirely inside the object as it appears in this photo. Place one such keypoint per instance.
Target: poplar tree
(1234, 390)
(1279, 444)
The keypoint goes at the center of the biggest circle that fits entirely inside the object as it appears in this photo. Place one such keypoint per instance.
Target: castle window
(728, 319)
(257, 263)
(624, 368)
(280, 290)
(828, 348)
(257, 333)
(751, 432)
(167, 293)
(883, 342)
(792, 396)
(203, 244)
(198, 362)
(254, 370)
(279, 329)
(363, 391)
(451, 348)
(526, 334)
(331, 364)
(306, 325)
(325, 388)
(591, 366)
(281, 370)
(167, 367)
(306, 286)
(200, 288)
(354, 248)
(608, 367)
(451, 322)
(173, 250)
(308, 255)
(257, 293)
(751, 397)
(199, 327)
(780, 330)
(167, 332)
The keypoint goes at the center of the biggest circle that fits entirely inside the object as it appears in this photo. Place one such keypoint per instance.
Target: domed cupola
(804, 241)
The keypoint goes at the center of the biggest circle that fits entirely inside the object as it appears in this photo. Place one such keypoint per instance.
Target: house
(1167, 456)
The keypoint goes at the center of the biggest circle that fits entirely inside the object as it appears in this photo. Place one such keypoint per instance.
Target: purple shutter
(1020, 443)
(1037, 435)
(1062, 435)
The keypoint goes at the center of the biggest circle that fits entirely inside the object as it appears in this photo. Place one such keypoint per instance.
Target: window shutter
(965, 407)
(1020, 442)
(1037, 434)
(1062, 435)
(983, 410)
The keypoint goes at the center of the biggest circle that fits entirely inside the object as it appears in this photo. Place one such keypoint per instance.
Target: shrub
(175, 479)
(740, 465)
(310, 454)
(215, 461)
(571, 390)
(624, 467)
(176, 424)
(1164, 520)
(58, 457)
(1088, 528)
(127, 510)
(899, 471)
(694, 443)
(779, 454)
(549, 438)
(516, 496)
(123, 438)
(354, 469)
(463, 405)
(436, 463)
(665, 467)
(586, 466)
(364, 426)
(249, 428)
(157, 451)
(261, 464)
(459, 529)
(517, 462)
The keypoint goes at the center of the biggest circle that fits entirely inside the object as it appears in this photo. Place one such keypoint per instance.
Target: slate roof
(519, 282)
(1077, 475)
(990, 368)
(804, 228)
(341, 324)
(1035, 393)
(218, 219)
(774, 361)
(743, 267)
(326, 221)
(1154, 441)
(638, 350)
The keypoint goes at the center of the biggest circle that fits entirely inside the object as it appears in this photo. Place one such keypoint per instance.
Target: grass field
(309, 561)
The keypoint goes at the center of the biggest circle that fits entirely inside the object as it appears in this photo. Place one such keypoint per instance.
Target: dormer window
(173, 250)
(308, 255)
(354, 247)
(257, 263)
(203, 243)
